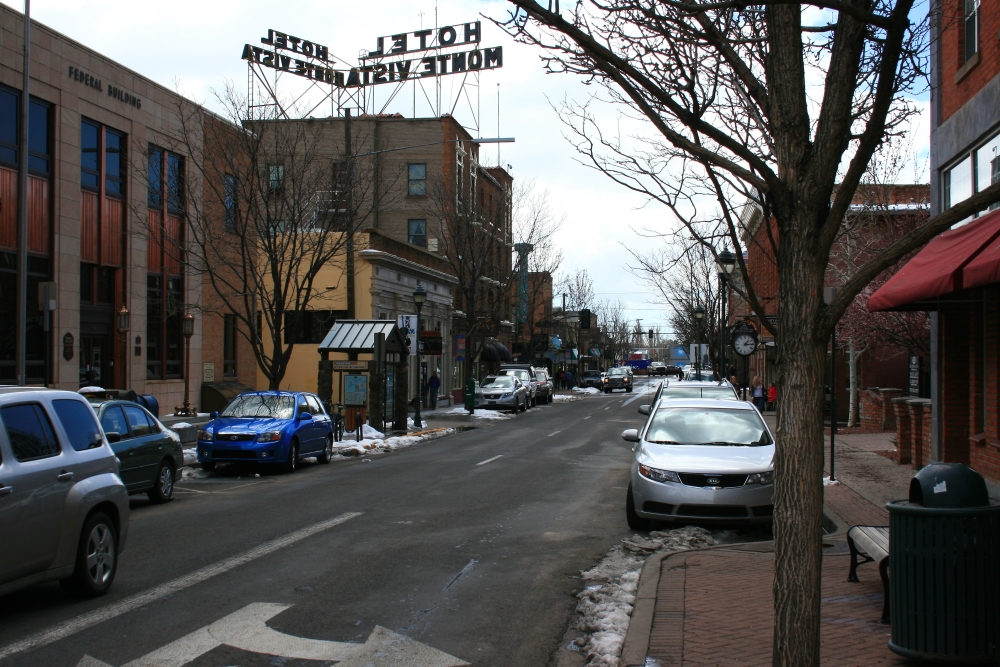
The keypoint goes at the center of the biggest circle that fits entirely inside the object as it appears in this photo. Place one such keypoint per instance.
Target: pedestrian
(561, 379)
(433, 385)
(772, 396)
(569, 379)
(757, 389)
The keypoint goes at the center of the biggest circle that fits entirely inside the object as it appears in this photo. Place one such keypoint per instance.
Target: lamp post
(187, 328)
(699, 313)
(123, 327)
(724, 264)
(419, 296)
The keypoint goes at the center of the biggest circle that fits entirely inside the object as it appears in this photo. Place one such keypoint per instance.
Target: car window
(720, 393)
(260, 405)
(29, 432)
(151, 420)
(302, 405)
(681, 392)
(706, 426)
(136, 420)
(314, 405)
(502, 381)
(541, 377)
(113, 421)
(78, 422)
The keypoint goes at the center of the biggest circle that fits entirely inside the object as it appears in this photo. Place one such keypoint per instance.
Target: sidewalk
(713, 608)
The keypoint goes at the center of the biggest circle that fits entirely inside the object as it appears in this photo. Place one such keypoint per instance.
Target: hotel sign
(396, 58)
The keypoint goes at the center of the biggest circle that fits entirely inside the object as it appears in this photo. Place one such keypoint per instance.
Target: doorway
(95, 360)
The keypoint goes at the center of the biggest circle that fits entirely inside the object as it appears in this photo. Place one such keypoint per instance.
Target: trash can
(944, 568)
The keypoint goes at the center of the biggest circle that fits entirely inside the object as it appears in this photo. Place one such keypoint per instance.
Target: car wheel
(96, 558)
(163, 485)
(208, 465)
(629, 390)
(635, 522)
(293, 457)
(327, 454)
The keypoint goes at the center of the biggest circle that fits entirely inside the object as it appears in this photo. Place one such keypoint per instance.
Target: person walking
(757, 389)
(433, 385)
(772, 396)
(561, 379)
(569, 379)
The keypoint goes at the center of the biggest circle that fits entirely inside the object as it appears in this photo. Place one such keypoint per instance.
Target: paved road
(470, 544)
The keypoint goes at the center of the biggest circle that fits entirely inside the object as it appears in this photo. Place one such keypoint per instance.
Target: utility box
(470, 395)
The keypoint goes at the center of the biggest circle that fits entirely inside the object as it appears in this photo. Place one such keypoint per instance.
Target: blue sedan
(268, 427)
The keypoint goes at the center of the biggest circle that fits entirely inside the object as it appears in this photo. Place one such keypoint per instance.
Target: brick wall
(954, 94)
(877, 412)
(920, 429)
(904, 430)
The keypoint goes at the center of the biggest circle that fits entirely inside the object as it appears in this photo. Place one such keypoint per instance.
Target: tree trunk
(798, 470)
(852, 370)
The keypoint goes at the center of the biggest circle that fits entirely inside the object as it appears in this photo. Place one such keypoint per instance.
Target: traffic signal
(652, 341)
(585, 318)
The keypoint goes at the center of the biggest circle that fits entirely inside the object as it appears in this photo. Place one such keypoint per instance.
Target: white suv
(63, 508)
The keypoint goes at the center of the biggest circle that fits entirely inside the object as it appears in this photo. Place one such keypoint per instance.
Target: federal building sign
(453, 49)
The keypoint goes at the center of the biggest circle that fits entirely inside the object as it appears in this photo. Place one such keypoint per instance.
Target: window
(164, 338)
(154, 179)
(971, 28)
(9, 107)
(988, 166)
(175, 183)
(90, 158)
(136, 420)
(229, 200)
(114, 162)
(973, 173)
(275, 178)
(958, 183)
(418, 232)
(97, 284)
(113, 421)
(229, 346)
(314, 405)
(79, 424)
(39, 138)
(310, 326)
(29, 432)
(417, 180)
(38, 271)
(459, 174)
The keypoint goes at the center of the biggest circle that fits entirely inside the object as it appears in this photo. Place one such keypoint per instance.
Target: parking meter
(470, 395)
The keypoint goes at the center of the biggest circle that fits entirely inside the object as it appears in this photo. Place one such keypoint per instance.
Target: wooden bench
(872, 544)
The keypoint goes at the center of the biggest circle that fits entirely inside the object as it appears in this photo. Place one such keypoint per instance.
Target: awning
(504, 352)
(942, 267)
(359, 336)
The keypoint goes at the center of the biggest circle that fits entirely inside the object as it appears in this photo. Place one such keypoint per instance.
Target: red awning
(942, 266)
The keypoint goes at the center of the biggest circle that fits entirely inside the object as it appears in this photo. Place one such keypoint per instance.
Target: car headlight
(507, 395)
(206, 435)
(761, 478)
(625, 380)
(269, 436)
(658, 475)
(606, 380)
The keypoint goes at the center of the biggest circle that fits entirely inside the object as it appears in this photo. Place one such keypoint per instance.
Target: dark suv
(618, 378)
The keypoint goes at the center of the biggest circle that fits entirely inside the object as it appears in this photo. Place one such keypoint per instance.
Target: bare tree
(779, 104)
(616, 330)
(282, 202)
(536, 224)
(578, 289)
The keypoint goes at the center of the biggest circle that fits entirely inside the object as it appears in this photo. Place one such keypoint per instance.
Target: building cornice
(394, 260)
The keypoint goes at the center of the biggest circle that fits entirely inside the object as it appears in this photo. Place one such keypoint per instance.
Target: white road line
(554, 433)
(488, 460)
(90, 619)
(588, 416)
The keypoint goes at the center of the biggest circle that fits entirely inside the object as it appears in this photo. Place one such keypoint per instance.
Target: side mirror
(303, 416)
(113, 436)
(630, 435)
(645, 409)
(214, 415)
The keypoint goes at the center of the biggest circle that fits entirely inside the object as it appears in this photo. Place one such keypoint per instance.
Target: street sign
(350, 365)
(408, 327)
(355, 389)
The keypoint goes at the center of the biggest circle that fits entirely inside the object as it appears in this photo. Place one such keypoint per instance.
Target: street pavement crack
(467, 568)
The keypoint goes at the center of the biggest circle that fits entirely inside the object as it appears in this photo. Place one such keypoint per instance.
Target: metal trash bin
(944, 568)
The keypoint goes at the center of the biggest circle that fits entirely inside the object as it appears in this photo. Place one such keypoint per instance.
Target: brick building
(956, 277)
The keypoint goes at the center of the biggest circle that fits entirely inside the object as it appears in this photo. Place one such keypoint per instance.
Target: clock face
(744, 344)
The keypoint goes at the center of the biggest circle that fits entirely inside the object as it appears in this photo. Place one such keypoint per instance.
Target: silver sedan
(701, 460)
(504, 392)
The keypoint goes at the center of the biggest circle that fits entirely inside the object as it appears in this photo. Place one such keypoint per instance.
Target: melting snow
(90, 389)
(830, 482)
(190, 456)
(587, 390)
(562, 398)
(180, 425)
(605, 604)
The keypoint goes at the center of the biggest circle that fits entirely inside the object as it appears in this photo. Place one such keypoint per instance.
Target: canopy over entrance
(358, 336)
(955, 260)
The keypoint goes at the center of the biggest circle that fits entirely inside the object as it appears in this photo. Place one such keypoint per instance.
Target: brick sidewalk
(713, 609)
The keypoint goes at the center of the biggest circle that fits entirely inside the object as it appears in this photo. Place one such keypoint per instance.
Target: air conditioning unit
(432, 245)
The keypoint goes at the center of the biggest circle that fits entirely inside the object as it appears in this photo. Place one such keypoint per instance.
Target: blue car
(268, 427)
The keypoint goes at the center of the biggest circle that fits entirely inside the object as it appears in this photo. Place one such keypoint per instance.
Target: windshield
(502, 381)
(592, 374)
(617, 371)
(540, 377)
(706, 426)
(256, 405)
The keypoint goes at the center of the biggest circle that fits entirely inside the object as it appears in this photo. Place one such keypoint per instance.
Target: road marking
(488, 460)
(588, 416)
(554, 433)
(247, 630)
(90, 619)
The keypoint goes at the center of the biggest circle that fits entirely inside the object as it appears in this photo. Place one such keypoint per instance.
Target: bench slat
(873, 540)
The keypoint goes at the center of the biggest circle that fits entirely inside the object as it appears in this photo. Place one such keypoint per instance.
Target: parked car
(618, 378)
(502, 392)
(148, 452)
(698, 376)
(544, 387)
(277, 427)
(526, 374)
(701, 460)
(63, 508)
(592, 379)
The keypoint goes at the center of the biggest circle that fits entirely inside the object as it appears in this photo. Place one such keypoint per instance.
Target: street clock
(744, 339)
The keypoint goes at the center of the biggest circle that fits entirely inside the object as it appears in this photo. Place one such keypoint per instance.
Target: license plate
(492, 402)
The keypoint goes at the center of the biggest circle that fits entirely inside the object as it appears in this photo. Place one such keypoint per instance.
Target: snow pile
(181, 425)
(348, 447)
(192, 473)
(481, 413)
(606, 601)
(190, 456)
(587, 390)
(563, 398)
(87, 390)
(830, 482)
(409, 423)
(368, 431)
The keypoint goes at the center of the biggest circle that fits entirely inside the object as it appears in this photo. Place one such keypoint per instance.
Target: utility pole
(348, 180)
(21, 337)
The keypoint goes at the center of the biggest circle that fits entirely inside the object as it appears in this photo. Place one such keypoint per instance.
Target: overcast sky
(195, 46)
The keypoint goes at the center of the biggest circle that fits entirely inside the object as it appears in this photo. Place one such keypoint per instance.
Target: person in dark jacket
(433, 385)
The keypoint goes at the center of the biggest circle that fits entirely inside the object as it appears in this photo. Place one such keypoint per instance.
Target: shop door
(95, 361)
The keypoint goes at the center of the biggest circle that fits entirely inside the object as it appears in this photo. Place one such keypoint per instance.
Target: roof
(705, 403)
(961, 258)
(359, 336)
(697, 383)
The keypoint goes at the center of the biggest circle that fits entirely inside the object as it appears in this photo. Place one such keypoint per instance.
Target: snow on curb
(606, 601)
(587, 390)
(348, 448)
(564, 398)
(481, 413)
(190, 456)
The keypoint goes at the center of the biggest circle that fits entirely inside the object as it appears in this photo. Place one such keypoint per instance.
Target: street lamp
(419, 296)
(725, 263)
(699, 313)
(123, 327)
(187, 328)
